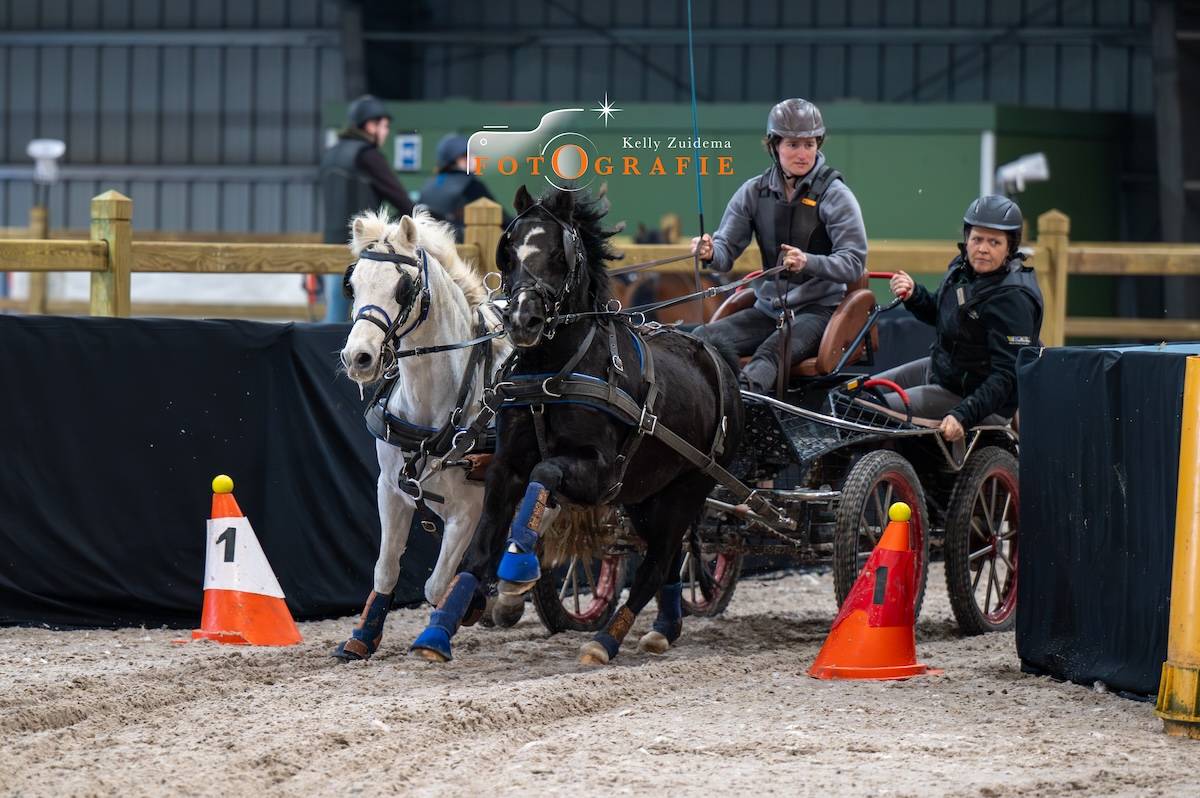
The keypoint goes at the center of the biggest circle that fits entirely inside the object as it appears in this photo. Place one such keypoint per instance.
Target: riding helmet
(450, 149)
(366, 108)
(796, 118)
(997, 213)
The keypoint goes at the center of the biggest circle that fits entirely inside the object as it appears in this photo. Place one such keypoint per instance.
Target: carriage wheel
(709, 576)
(982, 522)
(873, 484)
(581, 594)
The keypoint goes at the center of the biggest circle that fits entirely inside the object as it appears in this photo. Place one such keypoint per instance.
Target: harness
(388, 356)
(534, 391)
(416, 440)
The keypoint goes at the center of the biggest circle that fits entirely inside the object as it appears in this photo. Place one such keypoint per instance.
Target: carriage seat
(847, 320)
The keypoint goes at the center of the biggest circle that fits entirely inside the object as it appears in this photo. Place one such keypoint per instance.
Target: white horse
(411, 289)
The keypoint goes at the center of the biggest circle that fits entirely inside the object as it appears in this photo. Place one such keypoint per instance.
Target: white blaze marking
(526, 249)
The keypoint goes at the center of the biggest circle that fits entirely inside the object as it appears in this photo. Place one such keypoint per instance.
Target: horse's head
(388, 286)
(543, 264)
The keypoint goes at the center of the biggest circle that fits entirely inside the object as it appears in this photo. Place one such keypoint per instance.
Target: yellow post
(39, 227)
(111, 216)
(482, 227)
(1179, 689)
(1054, 228)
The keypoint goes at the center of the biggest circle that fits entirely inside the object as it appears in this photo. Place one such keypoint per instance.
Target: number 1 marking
(229, 538)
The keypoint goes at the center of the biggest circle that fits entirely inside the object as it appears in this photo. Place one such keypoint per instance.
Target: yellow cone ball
(897, 512)
(222, 484)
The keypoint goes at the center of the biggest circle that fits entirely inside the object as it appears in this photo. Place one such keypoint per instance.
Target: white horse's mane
(436, 237)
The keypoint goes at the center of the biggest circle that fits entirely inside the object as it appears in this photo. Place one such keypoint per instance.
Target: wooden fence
(112, 255)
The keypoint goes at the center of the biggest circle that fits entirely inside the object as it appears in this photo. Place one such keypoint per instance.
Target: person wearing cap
(453, 187)
(804, 217)
(354, 177)
(987, 307)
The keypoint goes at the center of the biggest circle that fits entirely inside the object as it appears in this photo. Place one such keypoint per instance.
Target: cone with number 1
(243, 603)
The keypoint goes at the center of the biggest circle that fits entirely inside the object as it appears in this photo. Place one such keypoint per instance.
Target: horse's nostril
(363, 360)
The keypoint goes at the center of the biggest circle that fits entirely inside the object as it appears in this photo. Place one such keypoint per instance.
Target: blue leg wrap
(669, 622)
(364, 639)
(520, 562)
(443, 621)
(610, 643)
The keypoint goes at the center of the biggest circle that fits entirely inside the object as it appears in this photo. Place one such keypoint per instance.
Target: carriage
(833, 456)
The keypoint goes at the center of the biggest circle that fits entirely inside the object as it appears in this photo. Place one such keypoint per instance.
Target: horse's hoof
(485, 620)
(506, 588)
(353, 650)
(429, 655)
(507, 610)
(592, 653)
(654, 643)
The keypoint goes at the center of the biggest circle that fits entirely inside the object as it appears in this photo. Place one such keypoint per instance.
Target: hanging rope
(695, 143)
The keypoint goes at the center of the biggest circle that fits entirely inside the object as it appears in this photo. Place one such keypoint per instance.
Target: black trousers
(755, 333)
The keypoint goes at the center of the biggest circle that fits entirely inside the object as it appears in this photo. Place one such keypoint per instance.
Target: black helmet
(994, 211)
(366, 108)
(797, 119)
(997, 213)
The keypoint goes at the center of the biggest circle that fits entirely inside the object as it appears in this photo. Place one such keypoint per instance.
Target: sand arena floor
(729, 710)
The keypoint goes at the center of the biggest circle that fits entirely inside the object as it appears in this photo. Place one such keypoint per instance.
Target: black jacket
(355, 177)
(982, 322)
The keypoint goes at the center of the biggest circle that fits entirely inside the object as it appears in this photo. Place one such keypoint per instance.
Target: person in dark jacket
(803, 215)
(987, 307)
(355, 176)
(453, 187)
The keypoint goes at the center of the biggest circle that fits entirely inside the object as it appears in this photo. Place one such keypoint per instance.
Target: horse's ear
(358, 235)
(408, 233)
(522, 201)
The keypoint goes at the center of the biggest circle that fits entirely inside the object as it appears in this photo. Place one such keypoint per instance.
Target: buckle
(648, 423)
(546, 389)
(618, 364)
(416, 491)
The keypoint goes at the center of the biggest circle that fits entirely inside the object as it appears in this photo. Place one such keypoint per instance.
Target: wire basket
(863, 412)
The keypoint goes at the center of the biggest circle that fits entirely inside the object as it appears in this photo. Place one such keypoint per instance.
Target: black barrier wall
(1099, 471)
(112, 430)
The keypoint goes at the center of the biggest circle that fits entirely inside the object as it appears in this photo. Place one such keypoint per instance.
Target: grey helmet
(795, 118)
(997, 213)
(364, 109)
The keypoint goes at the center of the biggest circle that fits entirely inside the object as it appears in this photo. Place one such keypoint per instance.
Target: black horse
(593, 410)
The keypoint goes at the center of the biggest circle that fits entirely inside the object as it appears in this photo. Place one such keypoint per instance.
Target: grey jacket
(824, 278)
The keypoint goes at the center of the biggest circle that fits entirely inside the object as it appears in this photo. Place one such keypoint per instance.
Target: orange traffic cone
(243, 603)
(872, 636)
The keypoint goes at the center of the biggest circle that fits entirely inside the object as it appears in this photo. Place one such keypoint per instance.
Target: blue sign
(408, 152)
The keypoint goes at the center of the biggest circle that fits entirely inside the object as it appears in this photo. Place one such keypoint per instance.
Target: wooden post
(1054, 228)
(39, 227)
(481, 227)
(111, 216)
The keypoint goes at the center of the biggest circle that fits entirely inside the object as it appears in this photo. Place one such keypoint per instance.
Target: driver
(803, 216)
(987, 307)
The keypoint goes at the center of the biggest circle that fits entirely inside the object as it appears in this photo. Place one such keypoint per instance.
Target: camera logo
(565, 158)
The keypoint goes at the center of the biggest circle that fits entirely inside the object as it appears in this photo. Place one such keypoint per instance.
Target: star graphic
(606, 109)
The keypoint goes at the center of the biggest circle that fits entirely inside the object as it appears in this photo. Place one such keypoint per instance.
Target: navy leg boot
(519, 568)
(364, 640)
(434, 643)
(669, 623)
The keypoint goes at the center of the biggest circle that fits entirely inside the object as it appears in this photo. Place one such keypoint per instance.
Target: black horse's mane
(586, 212)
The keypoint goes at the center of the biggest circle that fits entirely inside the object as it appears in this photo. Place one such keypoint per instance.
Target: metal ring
(614, 301)
(638, 314)
(546, 390)
(499, 282)
(469, 449)
(420, 490)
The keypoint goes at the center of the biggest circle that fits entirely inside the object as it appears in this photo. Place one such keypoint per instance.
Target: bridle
(529, 282)
(392, 334)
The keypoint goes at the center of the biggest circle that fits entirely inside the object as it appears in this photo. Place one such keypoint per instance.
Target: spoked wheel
(875, 482)
(580, 594)
(982, 522)
(709, 575)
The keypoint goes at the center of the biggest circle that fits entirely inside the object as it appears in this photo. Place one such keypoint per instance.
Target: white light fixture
(1012, 177)
(45, 154)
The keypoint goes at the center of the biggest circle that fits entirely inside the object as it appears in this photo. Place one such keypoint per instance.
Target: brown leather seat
(849, 317)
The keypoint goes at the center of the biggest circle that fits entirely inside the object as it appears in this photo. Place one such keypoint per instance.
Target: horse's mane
(436, 237)
(586, 212)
